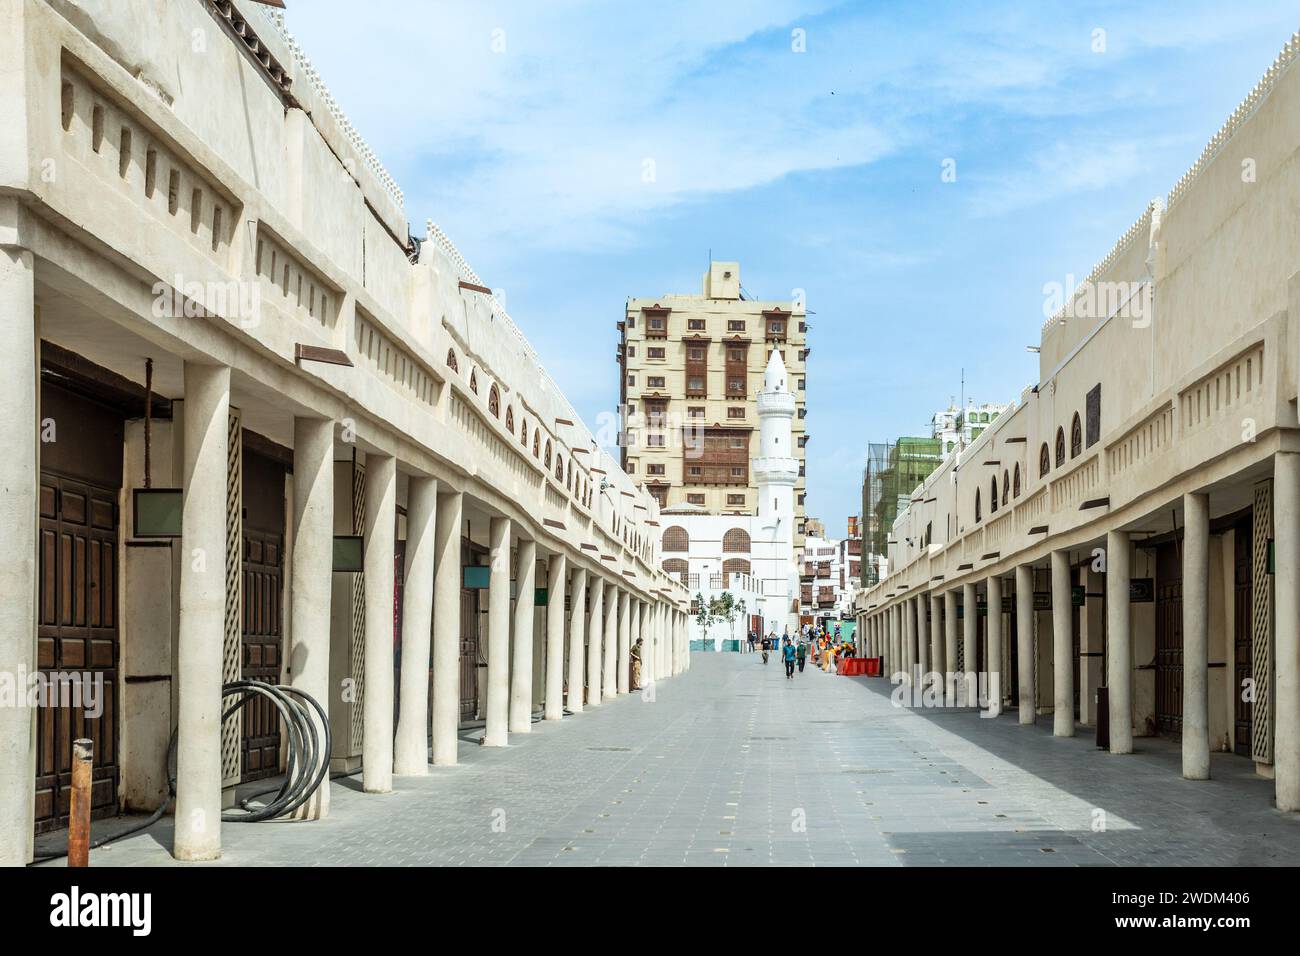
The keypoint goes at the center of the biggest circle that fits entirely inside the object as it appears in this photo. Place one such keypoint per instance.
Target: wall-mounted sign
(540, 596)
(1142, 590)
(1077, 595)
(1042, 600)
(476, 576)
(156, 512)
(349, 555)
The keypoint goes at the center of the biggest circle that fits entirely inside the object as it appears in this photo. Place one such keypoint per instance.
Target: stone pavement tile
(822, 770)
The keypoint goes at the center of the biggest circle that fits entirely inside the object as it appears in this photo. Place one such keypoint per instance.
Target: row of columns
(431, 615)
(895, 632)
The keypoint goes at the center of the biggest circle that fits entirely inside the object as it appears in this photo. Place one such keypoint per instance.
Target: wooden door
(1169, 639)
(262, 641)
(262, 631)
(468, 654)
(77, 636)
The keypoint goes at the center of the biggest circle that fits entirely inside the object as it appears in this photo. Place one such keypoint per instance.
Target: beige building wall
(1171, 377)
(662, 421)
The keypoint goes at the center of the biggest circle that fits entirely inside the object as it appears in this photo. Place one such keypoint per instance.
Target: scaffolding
(892, 472)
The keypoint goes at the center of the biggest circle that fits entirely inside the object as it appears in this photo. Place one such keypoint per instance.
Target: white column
(661, 641)
(922, 637)
(1062, 648)
(556, 577)
(938, 664)
(675, 640)
(904, 638)
(447, 580)
(1119, 641)
(1196, 645)
(595, 632)
(950, 646)
(609, 658)
(1286, 583)
(496, 732)
(311, 570)
(649, 665)
(1025, 643)
(995, 645)
(411, 748)
(969, 634)
(20, 481)
(521, 665)
(577, 639)
(377, 697)
(201, 632)
(625, 606)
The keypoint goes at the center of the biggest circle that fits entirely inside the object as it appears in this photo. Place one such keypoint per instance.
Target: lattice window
(1006, 486)
(977, 505)
(473, 382)
(546, 459)
(1015, 482)
(736, 540)
(735, 566)
(451, 360)
(677, 566)
(494, 402)
(676, 539)
(1261, 648)
(993, 495)
(1060, 447)
(510, 420)
(1076, 436)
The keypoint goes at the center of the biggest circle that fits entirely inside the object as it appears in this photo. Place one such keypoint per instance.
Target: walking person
(767, 646)
(801, 655)
(788, 653)
(636, 665)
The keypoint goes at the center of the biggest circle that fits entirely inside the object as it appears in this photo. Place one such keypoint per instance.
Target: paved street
(738, 766)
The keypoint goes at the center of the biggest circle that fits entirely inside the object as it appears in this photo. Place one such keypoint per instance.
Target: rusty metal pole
(79, 812)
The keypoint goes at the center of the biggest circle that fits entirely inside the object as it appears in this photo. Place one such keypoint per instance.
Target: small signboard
(476, 576)
(1077, 595)
(1042, 600)
(348, 553)
(1141, 591)
(157, 513)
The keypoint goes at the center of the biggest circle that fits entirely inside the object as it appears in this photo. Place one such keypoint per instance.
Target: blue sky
(523, 129)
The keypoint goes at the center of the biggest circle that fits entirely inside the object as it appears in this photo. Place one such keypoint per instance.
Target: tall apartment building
(692, 366)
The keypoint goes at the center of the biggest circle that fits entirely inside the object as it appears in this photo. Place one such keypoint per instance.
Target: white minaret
(776, 470)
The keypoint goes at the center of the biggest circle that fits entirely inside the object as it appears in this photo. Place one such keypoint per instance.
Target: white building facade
(957, 427)
(752, 556)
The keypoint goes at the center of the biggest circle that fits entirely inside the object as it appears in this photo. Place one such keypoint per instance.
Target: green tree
(723, 608)
(703, 615)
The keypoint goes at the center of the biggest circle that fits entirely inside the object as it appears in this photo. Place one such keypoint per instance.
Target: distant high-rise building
(958, 427)
(692, 366)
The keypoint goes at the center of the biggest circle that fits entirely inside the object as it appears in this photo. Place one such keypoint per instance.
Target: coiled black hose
(306, 764)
